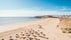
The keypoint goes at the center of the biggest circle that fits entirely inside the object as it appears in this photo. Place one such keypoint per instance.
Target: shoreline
(17, 25)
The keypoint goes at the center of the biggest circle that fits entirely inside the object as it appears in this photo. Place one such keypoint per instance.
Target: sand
(45, 29)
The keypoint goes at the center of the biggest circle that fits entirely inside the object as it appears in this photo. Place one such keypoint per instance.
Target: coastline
(17, 25)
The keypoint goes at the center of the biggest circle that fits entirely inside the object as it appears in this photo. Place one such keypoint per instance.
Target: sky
(15, 8)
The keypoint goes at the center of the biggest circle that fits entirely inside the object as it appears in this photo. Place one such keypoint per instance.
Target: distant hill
(54, 16)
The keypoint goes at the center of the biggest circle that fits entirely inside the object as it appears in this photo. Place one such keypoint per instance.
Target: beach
(45, 29)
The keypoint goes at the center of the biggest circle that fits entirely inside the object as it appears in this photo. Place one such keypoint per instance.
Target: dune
(45, 29)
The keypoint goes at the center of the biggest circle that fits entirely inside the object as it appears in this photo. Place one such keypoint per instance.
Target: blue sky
(34, 7)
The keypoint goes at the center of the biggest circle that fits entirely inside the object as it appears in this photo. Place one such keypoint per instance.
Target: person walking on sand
(11, 38)
(2, 39)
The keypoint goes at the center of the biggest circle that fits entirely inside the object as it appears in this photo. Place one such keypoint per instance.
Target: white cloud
(14, 13)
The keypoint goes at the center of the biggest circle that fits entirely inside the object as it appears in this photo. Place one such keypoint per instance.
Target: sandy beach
(45, 29)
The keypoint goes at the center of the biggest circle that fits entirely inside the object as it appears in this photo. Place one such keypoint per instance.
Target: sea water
(8, 20)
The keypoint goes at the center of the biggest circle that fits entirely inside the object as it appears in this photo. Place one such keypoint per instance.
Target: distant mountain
(54, 16)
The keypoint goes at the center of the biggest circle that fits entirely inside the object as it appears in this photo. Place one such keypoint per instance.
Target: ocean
(9, 20)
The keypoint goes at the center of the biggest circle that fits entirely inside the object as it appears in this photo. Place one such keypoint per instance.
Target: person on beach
(22, 34)
(40, 26)
(2, 39)
(17, 36)
(11, 38)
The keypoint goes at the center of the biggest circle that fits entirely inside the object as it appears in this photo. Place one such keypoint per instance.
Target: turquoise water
(8, 20)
